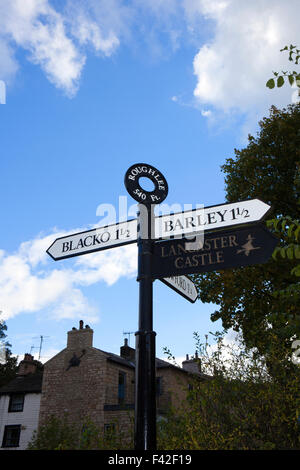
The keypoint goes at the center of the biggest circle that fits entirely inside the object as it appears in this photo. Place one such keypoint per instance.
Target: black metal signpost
(241, 244)
(160, 259)
(145, 382)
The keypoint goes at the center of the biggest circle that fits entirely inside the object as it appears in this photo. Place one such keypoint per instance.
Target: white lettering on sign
(184, 224)
(94, 240)
(144, 171)
(210, 218)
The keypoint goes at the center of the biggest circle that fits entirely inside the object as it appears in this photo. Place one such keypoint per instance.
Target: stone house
(85, 383)
(20, 405)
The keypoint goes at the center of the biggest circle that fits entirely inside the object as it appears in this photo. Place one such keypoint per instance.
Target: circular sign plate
(143, 170)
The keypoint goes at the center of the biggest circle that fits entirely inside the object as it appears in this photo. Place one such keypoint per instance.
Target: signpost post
(145, 382)
(242, 243)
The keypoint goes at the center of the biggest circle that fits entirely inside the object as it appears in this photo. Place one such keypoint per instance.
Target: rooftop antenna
(128, 333)
(33, 347)
(41, 343)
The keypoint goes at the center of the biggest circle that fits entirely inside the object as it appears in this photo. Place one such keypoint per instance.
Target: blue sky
(93, 87)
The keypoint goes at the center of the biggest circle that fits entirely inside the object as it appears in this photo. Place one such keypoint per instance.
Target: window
(158, 386)
(16, 402)
(109, 429)
(121, 387)
(11, 436)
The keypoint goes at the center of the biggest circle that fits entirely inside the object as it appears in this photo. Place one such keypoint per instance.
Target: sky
(91, 88)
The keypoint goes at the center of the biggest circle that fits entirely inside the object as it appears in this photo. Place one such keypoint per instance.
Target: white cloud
(109, 17)
(238, 42)
(206, 113)
(107, 266)
(88, 31)
(36, 27)
(93, 23)
(29, 283)
(233, 67)
(58, 38)
(52, 40)
(8, 64)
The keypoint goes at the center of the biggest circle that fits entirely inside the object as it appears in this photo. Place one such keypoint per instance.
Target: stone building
(20, 405)
(85, 383)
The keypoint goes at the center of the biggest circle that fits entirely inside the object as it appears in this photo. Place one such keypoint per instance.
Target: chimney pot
(27, 366)
(193, 365)
(127, 352)
(81, 324)
(80, 339)
(28, 357)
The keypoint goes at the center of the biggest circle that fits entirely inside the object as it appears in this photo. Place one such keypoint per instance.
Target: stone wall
(82, 382)
(75, 390)
(174, 388)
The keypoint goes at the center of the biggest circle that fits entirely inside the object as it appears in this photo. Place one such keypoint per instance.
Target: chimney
(127, 352)
(27, 366)
(81, 338)
(192, 365)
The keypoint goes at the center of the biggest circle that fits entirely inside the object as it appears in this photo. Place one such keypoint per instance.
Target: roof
(30, 383)
(120, 360)
(160, 363)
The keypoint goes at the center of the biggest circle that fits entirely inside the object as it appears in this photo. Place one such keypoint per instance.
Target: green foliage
(59, 434)
(293, 77)
(9, 368)
(246, 299)
(56, 434)
(288, 230)
(241, 407)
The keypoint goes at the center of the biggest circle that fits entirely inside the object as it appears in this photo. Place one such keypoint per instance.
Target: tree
(293, 77)
(289, 232)
(8, 364)
(268, 169)
(241, 406)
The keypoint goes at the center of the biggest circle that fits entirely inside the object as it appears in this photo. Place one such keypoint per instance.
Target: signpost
(241, 244)
(210, 218)
(183, 286)
(221, 250)
(165, 226)
(93, 240)
(145, 383)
